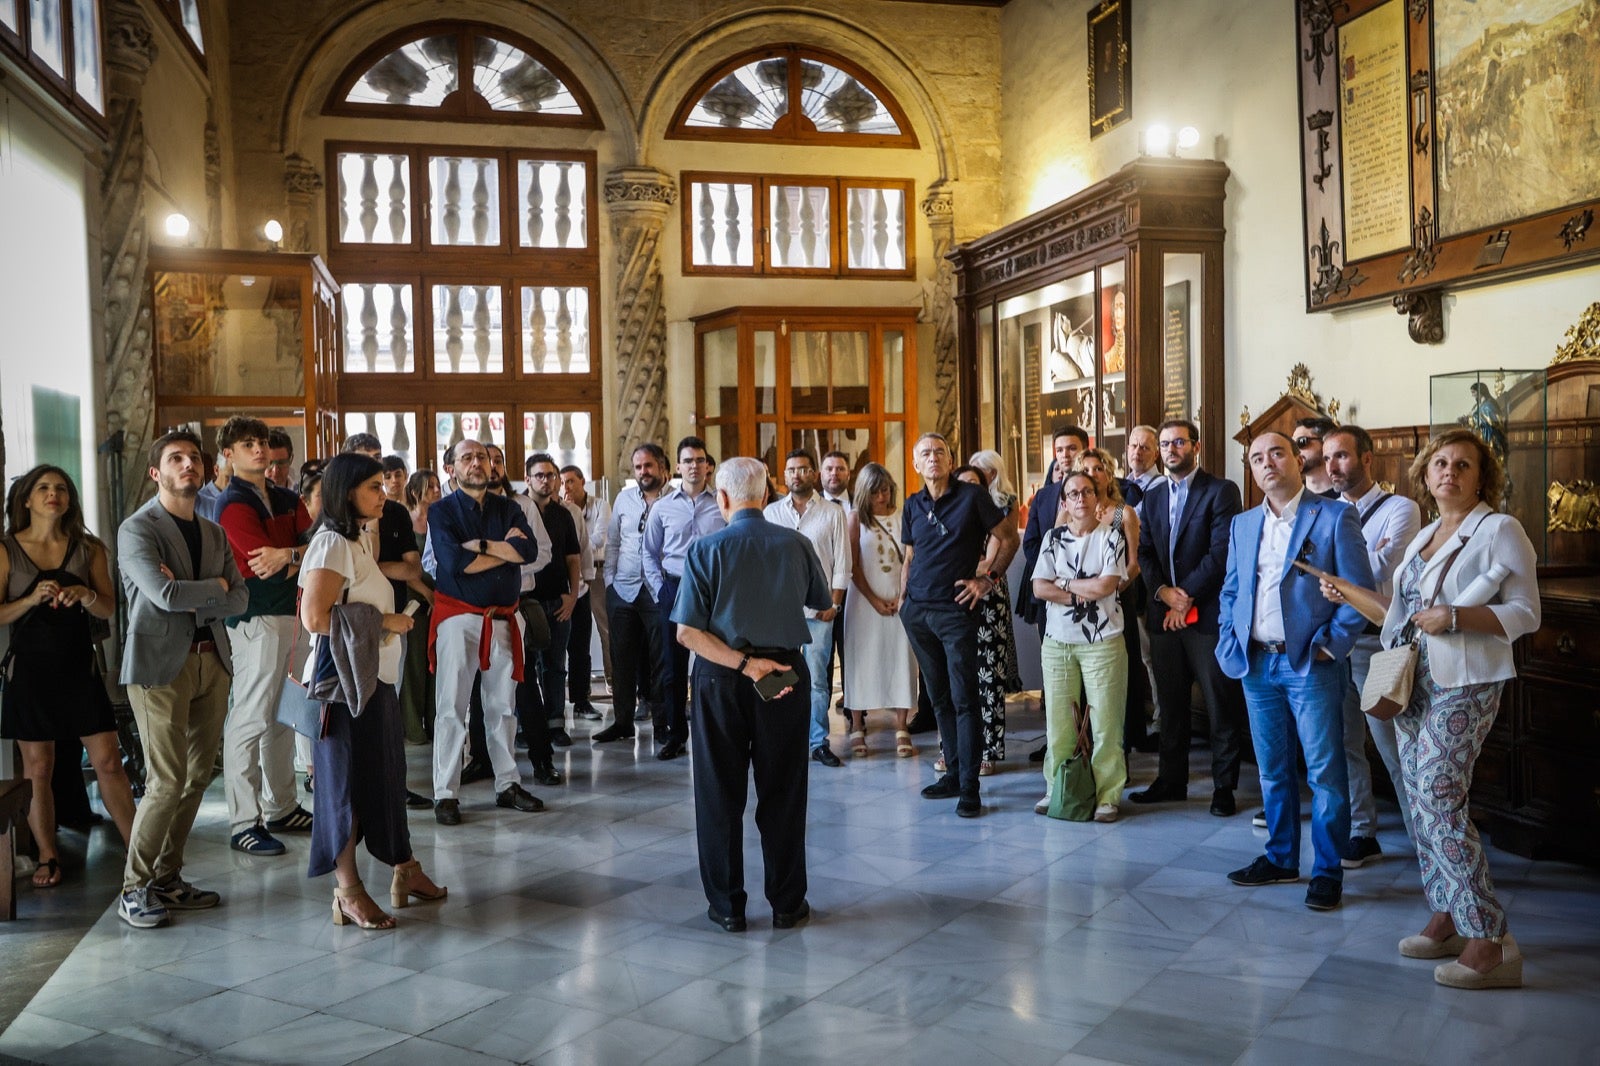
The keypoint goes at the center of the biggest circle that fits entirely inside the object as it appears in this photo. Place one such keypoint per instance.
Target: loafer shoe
(256, 841)
(546, 774)
(824, 755)
(1222, 804)
(790, 919)
(945, 788)
(728, 923)
(671, 750)
(417, 801)
(1359, 852)
(1323, 894)
(296, 821)
(476, 770)
(141, 909)
(447, 812)
(615, 731)
(179, 895)
(520, 799)
(969, 807)
(1160, 793)
(559, 738)
(1264, 872)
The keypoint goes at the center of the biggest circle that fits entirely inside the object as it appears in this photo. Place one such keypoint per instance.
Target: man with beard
(1308, 436)
(835, 484)
(590, 613)
(635, 623)
(180, 581)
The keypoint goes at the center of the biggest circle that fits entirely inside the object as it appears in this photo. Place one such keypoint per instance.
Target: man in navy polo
(944, 532)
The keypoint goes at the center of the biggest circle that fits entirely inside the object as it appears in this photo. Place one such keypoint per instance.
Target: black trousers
(579, 661)
(945, 641)
(672, 671)
(736, 731)
(533, 694)
(1135, 726)
(635, 651)
(1181, 658)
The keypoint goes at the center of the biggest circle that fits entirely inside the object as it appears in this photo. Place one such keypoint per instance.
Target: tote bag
(1072, 793)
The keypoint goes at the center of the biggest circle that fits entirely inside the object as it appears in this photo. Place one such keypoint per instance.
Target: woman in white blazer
(1468, 583)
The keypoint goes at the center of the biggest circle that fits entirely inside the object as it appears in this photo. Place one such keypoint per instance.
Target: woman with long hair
(55, 578)
(881, 670)
(360, 758)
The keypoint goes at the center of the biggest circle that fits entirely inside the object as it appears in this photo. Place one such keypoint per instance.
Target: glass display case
(1507, 410)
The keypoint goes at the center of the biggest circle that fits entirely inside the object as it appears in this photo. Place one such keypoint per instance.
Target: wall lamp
(1159, 140)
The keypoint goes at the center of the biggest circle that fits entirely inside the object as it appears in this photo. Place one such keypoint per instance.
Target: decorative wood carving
(301, 185)
(1334, 279)
(938, 207)
(639, 200)
(1425, 314)
(1574, 228)
(1582, 338)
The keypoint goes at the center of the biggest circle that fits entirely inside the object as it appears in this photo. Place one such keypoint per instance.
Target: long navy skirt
(360, 766)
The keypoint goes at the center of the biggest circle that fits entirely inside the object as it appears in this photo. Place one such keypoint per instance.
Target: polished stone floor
(578, 936)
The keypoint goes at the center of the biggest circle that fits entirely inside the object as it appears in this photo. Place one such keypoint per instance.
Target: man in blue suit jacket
(1286, 643)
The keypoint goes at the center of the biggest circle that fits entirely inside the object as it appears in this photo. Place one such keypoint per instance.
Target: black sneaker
(1264, 872)
(256, 841)
(447, 812)
(947, 787)
(1323, 894)
(296, 821)
(614, 731)
(1359, 852)
(416, 801)
(1259, 819)
(518, 798)
(560, 739)
(824, 755)
(969, 806)
(180, 895)
(585, 709)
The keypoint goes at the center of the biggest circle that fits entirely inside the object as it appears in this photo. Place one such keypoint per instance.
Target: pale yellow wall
(176, 93)
(1228, 68)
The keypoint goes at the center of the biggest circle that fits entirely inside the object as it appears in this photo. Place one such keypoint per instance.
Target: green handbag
(1072, 793)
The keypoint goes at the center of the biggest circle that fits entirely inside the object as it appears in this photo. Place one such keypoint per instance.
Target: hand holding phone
(773, 685)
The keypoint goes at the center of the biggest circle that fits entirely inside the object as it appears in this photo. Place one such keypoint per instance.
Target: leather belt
(200, 647)
(1271, 647)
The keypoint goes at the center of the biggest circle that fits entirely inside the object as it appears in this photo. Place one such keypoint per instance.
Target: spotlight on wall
(1157, 140)
(178, 225)
(1188, 137)
(272, 230)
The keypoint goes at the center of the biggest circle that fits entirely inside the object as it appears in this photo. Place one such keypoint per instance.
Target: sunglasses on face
(1306, 442)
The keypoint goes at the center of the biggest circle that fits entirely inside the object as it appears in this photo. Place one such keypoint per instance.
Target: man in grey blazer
(180, 581)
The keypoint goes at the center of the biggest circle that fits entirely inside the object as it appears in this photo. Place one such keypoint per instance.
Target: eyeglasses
(544, 475)
(1080, 494)
(943, 532)
(1175, 442)
(1306, 442)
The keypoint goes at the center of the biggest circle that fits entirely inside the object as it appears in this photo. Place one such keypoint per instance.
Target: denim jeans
(1284, 706)
(945, 640)
(819, 656)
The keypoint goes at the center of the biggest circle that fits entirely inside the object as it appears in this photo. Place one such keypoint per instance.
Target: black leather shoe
(417, 802)
(1159, 793)
(947, 787)
(671, 750)
(728, 923)
(1264, 872)
(546, 774)
(969, 806)
(615, 731)
(1324, 894)
(518, 798)
(922, 724)
(790, 919)
(476, 770)
(447, 812)
(641, 713)
(560, 739)
(1148, 744)
(1037, 755)
(824, 755)
(1222, 804)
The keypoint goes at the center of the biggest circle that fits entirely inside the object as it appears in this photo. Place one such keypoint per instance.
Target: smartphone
(772, 684)
(1192, 617)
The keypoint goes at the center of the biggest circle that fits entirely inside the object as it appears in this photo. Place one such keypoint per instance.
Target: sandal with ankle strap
(51, 868)
(858, 743)
(401, 890)
(902, 744)
(341, 916)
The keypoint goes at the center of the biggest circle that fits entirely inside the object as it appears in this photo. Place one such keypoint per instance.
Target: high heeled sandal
(902, 744)
(344, 917)
(858, 743)
(1508, 974)
(401, 891)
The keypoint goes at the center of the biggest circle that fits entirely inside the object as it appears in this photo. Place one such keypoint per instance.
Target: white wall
(1228, 68)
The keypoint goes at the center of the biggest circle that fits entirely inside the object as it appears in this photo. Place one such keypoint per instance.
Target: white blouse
(354, 561)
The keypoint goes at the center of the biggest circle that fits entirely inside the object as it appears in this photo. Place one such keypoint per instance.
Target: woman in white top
(882, 671)
(360, 758)
(1081, 565)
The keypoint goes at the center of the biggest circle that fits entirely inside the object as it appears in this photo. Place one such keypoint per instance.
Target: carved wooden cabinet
(1103, 310)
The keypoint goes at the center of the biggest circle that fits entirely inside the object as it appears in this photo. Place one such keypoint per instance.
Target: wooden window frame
(464, 104)
(793, 127)
(61, 86)
(838, 250)
(174, 13)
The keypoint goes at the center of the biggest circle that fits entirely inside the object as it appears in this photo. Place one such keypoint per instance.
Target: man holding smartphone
(740, 608)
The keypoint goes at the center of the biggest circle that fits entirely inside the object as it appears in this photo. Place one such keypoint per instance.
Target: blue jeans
(819, 661)
(1284, 706)
(945, 640)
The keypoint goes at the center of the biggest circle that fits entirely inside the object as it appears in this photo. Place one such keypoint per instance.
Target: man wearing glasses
(280, 458)
(1183, 556)
(555, 591)
(944, 532)
(678, 519)
(1308, 435)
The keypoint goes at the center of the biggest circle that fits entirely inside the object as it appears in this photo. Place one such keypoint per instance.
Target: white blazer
(1457, 659)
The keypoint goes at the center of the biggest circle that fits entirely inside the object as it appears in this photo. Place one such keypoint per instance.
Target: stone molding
(639, 200)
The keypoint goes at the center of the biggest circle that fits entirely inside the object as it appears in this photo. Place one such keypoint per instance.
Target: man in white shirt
(1389, 523)
(822, 523)
(590, 614)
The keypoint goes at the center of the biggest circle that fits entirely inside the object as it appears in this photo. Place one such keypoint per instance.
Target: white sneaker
(1043, 806)
(1106, 812)
(140, 908)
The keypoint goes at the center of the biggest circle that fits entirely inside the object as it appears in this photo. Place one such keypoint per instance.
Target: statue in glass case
(1487, 419)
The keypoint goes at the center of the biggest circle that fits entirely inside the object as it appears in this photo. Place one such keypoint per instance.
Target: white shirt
(585, 546)
(843, 499)
(354, 561)
(1394, 525)
(1065, 557)
(541, 536)
(597, 516)
(823, 524)
(1271, 559)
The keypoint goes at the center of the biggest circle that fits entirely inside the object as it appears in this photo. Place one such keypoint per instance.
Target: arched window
(793, 95)
(462, 72)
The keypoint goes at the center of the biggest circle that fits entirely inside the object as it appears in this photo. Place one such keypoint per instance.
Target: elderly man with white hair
(741, 609)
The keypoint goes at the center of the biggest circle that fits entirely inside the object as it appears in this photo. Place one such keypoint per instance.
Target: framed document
(1110, 66)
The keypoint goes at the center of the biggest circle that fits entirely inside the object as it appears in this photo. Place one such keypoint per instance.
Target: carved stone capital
(300, 178)
(643, 189)
(939, 207)
(130, 43)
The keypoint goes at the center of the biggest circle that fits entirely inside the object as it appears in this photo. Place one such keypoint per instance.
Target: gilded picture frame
(1110, 66)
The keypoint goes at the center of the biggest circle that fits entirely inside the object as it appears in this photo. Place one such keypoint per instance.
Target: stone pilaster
(639, 201)
(939, 209)
(301, 185)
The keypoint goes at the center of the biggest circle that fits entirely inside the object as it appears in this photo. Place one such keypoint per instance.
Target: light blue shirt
(625, 543)
(676, 521)
(1177, 497)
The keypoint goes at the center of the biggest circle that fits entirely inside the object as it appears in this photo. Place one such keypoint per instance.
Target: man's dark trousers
(735, 731)
(579, 661)
(945, 640)
(635, 651)
(1181, 658)
(672, 695)
(549, 666)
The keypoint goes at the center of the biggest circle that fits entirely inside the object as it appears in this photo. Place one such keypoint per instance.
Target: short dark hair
(171, 437)
(1322, 425)
(968, 468)
(279, 438)
(1070, 431)
(340, 477)
(536, 458)
(802, 453)
(656, 452)
(450, 454)
(694, 442)
(574, 468)
(392, 463)
(241, 427)
(310, 477)
(1363, 439)
(836, 454)
(362, 442)
(1174, 423)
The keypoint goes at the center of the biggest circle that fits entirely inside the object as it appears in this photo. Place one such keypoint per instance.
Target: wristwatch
(294, 556)
(1455, 623)
(744, 663)
(483, 546)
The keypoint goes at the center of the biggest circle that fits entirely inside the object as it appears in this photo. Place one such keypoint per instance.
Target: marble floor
(578, 936)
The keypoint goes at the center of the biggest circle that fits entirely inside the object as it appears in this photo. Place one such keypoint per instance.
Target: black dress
(55, 691)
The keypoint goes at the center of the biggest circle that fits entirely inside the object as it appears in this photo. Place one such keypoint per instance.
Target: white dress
(880, 670)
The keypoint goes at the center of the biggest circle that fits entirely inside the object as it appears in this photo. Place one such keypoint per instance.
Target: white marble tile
(631, 1041)
(610, 985)
(518, 1027)
(315, 1040)
(32, 1036)
(109, 1048)
(208, 1024)
(241, 960)
(122, 1002)
(718, 1010)
(415, 1004)
(325, 981)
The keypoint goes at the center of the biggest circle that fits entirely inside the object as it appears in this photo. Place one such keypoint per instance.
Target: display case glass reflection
(228, 334)
(1506, 409)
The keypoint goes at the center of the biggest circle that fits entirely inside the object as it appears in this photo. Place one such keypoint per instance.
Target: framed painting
(1110, 66)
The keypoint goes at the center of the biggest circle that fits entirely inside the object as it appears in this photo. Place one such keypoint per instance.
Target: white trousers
(257, 752)
(456, 659)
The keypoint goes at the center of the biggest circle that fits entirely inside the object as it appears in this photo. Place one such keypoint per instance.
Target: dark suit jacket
(1041, 516)
(1201, 559)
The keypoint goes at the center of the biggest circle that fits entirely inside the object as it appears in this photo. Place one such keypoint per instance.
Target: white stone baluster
(397, 199)
(708, 224)
(369, 328)
(880, 229)
(563, 332)
(580, 330)
(808, 228)
(538, 347)
(399, 316)
(541, 434)
(568, 440)
(900, 230)
(452, 201)
(781, 221)
(563, 204)
(535, 205)
(480, 326)
(856, 233)
(730, 217)
(480, 204)
(344, 202)
(452, 327)
(369, 196)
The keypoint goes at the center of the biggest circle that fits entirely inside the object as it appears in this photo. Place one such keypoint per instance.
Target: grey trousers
(1363, 808)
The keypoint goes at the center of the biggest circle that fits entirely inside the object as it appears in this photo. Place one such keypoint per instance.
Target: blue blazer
(1041, 517)
(1202, 550)
(1326, 535)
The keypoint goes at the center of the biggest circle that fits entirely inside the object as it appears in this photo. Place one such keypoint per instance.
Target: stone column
(128, 378)
(940, 308)
(639, 200)
(301, 185)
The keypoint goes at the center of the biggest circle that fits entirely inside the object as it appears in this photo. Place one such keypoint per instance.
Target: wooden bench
(14, 797)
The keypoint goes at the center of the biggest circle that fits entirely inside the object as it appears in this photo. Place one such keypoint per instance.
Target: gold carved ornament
(1582, 338)
(1574, 507)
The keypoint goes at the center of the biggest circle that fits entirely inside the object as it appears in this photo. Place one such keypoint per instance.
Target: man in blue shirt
(740, 609)
(944, 532)
(678, 519)
(635, 622)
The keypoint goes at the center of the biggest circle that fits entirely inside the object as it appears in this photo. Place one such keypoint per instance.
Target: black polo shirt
(948, 535)
(395, 541)
(551, 582)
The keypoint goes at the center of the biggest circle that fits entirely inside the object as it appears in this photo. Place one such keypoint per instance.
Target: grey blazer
(162, 613)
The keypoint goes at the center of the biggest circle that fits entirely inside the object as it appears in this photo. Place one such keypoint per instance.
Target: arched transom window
(791, 94)
(462, 72)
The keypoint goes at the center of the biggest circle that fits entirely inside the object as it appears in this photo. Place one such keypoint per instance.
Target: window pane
(509, 79)
(798, 217)
(86, 52)
(766, 369)
(374, 198)
(722, 439)
(876, 228)
(190, 9)
(753, 97)
(450, 428)
(552, 201)
(466, 329)
(565, 435)
(555, 330)
(894, 371)
(419, 74)
(465, 195)
(836, 102)
(724, 225)
(228, 335)
(720, 369)
(894, 456)
(396, 432)
(8, 14)
(45, 29)
(828, 372)
(379, 322)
